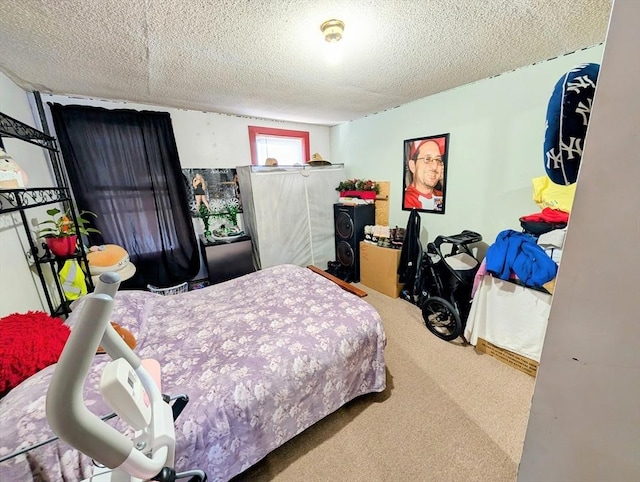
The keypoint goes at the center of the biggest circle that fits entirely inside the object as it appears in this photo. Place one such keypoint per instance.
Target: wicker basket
(171, 290)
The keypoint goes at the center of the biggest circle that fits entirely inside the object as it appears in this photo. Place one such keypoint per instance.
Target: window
(287, 146)
(123, 165)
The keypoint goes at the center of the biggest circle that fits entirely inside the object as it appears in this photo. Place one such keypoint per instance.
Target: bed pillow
(568, 115)
(30, 342)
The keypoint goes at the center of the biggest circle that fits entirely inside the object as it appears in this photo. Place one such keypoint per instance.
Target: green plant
(61, 224)
(359, 185)
(204, 213)
(230, 214)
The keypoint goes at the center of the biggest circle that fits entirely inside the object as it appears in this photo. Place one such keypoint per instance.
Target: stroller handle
(464, 238)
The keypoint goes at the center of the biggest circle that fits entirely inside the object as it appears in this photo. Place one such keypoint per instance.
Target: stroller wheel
(441, 318)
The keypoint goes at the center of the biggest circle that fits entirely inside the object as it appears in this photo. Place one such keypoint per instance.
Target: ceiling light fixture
(332, 30)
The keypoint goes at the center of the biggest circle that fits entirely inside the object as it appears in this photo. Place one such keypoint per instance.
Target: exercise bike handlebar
(113, 344)
(66, 411)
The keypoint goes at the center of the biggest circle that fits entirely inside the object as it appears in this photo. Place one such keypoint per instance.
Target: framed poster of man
(425, 173)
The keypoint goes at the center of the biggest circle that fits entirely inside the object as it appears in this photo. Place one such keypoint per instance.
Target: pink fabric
(153, 368)
(482, 270)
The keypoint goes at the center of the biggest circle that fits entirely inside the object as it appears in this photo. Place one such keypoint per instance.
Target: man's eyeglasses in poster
(431, 161)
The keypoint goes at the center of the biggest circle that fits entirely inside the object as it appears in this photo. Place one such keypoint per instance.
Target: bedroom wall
(18, 290)
(497, 131)
(206, 139)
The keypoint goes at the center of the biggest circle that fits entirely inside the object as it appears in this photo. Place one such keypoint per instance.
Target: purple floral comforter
(261, 357)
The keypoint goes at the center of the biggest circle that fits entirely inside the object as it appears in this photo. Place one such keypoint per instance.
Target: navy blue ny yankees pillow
(568, 115)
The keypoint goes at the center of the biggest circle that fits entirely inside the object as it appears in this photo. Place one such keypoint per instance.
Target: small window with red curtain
(270, 146)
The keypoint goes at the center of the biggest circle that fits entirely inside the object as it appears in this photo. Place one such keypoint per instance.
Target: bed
(261, 357)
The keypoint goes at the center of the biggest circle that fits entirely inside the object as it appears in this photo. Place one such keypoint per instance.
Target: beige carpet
(448, 414)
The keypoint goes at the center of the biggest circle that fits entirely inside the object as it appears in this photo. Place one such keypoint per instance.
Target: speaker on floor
(349, 222)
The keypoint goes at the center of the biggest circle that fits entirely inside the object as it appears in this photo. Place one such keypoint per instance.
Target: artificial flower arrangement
(358, 185)
(60, 232)
(229, 213)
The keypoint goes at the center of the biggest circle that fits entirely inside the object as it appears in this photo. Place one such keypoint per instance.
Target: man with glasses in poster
(427, 176)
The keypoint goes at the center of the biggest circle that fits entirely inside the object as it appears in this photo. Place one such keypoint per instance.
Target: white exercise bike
(131, 388)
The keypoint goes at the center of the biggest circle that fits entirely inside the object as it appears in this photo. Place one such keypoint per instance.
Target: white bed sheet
(509, 316)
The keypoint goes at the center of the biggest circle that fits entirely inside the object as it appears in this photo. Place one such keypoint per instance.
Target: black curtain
(123, 165)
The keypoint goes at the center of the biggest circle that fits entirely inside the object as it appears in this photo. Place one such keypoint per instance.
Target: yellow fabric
(547, 194)
(72, 278)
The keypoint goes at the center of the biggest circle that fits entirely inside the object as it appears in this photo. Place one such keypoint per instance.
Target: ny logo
(584, 110)
(574, 148)
(581, 82)
(555, 158)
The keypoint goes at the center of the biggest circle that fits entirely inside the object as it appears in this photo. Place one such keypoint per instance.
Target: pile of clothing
(518, 254)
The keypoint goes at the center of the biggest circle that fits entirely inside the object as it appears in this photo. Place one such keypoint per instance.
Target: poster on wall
(215, 189)
(425, 173)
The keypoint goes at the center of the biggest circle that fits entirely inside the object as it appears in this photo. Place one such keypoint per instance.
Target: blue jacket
(518, 252)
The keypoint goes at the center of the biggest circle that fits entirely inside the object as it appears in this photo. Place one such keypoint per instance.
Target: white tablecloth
(509, 316)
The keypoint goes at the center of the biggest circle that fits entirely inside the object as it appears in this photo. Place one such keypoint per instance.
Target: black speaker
(349, 222)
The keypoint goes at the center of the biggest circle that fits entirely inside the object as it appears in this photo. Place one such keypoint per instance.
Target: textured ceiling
(266, 58)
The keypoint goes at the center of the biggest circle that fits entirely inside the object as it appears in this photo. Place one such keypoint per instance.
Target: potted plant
(364, 189)
(60, 232)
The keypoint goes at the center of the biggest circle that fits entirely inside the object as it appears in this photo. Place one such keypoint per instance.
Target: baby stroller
(444, 282)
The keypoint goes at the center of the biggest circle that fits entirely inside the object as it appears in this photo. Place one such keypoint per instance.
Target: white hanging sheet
(509, 316)
(289, 214)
